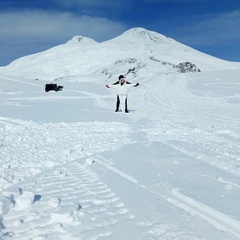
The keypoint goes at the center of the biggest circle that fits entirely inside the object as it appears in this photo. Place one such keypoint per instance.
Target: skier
(122, 89)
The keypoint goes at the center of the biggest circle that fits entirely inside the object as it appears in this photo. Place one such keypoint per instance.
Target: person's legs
(117, 104)
(126, 109)
(122, 101)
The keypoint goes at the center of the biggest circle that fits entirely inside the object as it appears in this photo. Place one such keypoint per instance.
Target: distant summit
(146, 34)
(136, 52)
(82, 40)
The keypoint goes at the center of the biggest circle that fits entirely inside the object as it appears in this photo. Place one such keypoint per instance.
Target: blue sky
(210, 26)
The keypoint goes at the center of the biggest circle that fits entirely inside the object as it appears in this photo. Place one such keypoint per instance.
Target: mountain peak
(146, 34)
(82, 40)
(137, 49)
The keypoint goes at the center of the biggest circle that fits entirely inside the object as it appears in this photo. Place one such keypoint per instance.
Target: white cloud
(27, 32)
(54, 25)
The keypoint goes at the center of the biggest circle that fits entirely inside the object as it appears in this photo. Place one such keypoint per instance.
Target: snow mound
(24, 200)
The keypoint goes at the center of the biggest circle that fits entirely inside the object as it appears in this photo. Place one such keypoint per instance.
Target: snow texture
(72, 168)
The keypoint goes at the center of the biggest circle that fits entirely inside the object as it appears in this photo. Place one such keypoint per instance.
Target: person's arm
(111, 86)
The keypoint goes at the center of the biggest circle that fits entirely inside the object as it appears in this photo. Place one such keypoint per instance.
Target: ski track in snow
(218, 219)
(37, 198)
(51, 211)
(42, 144)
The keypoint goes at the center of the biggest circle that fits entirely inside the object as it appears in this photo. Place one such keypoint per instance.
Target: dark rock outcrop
(186, 67)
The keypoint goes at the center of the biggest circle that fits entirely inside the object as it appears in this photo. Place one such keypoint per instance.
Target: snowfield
(72, 168)
(167, 170)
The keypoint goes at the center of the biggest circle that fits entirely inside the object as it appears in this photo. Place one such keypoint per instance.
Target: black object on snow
(53, 87)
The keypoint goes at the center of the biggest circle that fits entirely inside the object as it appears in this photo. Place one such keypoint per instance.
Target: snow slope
(72, 168)
(146, 51)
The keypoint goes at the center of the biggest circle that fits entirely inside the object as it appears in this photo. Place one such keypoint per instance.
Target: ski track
(216, 218)
(51, 211)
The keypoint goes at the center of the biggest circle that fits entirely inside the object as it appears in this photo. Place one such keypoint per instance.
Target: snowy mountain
(138, 49)
(72, 168)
